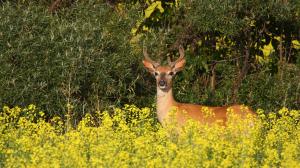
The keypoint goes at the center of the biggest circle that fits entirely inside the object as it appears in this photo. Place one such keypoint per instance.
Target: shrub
(83, 58)
(80, 57)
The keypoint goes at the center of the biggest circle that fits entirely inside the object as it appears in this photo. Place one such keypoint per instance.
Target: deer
(166, 104)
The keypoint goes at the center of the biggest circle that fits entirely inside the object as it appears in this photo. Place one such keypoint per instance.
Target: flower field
(131, 137)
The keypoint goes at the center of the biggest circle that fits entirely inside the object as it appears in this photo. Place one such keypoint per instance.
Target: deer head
(164, 74)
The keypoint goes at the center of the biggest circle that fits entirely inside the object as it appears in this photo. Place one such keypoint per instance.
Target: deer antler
(181, 53)
(146, 55)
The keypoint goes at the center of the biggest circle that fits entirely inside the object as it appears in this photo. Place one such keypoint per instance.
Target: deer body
(184, 111)
(166, 103)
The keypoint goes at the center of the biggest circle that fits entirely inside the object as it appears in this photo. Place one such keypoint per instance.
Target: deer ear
(179, 65)
(149, 66)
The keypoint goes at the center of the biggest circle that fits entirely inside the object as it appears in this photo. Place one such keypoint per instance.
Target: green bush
(81, 56)
(84, 58)
(231, 37)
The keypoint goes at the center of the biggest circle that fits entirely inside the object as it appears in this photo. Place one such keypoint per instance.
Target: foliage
(86, 55)
(80, 57)
(132, 138)
(236, 41)
(268, 91)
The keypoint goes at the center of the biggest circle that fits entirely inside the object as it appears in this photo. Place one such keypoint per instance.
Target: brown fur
(166, 103)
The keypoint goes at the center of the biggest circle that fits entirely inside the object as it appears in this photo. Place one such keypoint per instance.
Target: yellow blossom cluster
(132, 137)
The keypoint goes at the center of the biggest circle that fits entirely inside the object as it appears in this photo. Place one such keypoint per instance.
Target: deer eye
(171, 73)
(156, 73)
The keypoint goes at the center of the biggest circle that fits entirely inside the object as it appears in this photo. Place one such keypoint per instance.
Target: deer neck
(165, 102)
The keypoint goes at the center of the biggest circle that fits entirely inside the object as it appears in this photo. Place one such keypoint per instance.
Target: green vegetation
(80, 57)
(88, 54)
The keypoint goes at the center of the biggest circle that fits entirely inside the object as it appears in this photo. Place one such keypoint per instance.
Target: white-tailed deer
(182, 111)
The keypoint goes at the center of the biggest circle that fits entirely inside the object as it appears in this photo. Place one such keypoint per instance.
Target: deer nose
(162, 83)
